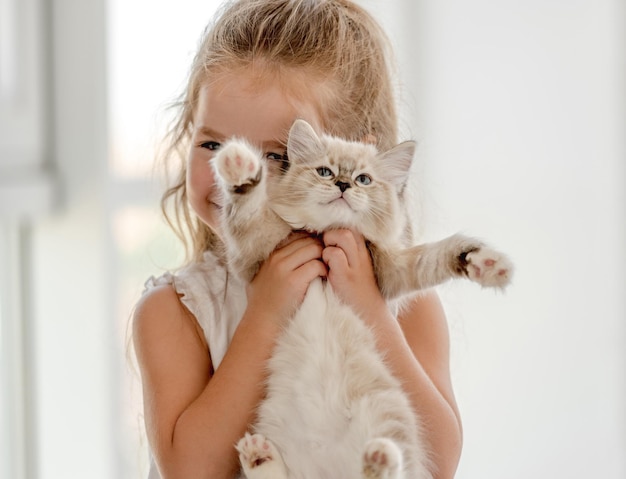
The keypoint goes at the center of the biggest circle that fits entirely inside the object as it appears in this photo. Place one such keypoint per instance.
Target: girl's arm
(416, 346)
(193, 417)
(419, 355)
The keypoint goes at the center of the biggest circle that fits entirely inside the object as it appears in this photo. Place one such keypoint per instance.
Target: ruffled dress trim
(215, 297)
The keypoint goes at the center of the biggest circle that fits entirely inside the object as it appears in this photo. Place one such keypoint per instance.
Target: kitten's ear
(396, 163)
(303, 144)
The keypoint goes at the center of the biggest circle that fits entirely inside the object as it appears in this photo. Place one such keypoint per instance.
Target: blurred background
(520, 112)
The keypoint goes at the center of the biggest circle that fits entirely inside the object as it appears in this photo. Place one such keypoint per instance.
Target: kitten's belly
(326, 390)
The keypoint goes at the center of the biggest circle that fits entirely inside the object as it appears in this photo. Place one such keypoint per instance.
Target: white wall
(520, 110)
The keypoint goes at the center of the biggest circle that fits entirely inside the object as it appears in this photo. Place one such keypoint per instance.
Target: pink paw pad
(382, 459)
(254, 450)
(377, 457)
(236, 163)
(475, 270)
(489, 268)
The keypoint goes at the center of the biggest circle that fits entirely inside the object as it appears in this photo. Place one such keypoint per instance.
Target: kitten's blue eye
(324, 172)
(211, 145)
(363, 179)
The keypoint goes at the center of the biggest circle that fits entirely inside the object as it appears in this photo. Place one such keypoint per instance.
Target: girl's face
(238, 105)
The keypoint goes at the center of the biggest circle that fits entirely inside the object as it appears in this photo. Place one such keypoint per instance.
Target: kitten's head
(335, 183)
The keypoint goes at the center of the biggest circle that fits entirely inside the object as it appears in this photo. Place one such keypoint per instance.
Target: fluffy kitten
(333, 409)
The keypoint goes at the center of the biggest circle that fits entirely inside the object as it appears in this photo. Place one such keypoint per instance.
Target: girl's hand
(350, 270)
(282, 281)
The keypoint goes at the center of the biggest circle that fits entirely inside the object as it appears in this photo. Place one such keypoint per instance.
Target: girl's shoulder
(204, 293)
(160, 314)
(197, 285)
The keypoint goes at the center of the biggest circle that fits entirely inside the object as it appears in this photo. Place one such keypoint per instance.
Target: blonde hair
(335, 41)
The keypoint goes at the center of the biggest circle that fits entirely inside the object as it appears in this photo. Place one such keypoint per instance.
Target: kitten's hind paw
(259, 458)
(487, 267)
(382, 460)
(238, 165)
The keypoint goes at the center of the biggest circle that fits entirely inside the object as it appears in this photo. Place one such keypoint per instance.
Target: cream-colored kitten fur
(333, 409)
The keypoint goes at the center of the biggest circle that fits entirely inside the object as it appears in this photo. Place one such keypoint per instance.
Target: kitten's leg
(427, 265)
(259, 458)
(251, 228)
(382, 460)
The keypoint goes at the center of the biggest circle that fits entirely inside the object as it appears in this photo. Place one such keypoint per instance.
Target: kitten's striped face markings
(344, 179)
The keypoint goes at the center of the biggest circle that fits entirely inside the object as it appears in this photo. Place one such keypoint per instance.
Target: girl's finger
(293, 236)
(294, 245)
(312, 269)
(297, 253)
(351, 242)
(335, 258)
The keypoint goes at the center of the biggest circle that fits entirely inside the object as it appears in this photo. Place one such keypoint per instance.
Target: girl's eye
(211, 145)
(324, 172)
(363, 179)
(281, 160)
(275, 156)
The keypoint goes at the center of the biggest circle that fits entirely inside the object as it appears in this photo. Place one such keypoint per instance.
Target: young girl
(202, 337)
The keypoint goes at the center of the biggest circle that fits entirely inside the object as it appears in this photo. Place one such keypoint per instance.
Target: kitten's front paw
(382, 460)
(259, 458)
(487, 267)
(238, 165)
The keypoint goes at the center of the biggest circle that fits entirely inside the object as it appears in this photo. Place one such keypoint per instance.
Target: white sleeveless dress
(217, 299)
